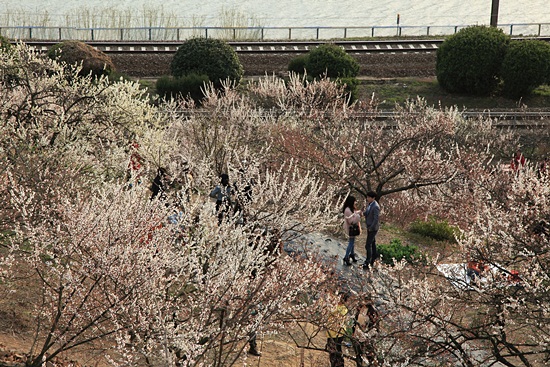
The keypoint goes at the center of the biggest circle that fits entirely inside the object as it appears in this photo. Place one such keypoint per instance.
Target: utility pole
(494, 13)
(398, 30)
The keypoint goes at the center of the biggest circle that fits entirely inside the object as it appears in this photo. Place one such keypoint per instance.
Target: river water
(275, 13)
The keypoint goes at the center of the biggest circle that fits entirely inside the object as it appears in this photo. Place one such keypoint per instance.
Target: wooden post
(398, 33)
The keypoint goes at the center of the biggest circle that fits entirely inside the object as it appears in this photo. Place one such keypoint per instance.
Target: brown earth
(375, 65)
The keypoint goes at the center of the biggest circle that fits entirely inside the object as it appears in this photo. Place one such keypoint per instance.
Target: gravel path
(375, 65)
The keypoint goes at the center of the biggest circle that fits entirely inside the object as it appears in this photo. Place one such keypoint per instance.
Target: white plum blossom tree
(160, 279)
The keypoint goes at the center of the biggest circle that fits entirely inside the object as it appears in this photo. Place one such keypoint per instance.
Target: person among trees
(223, 194)
(352, 216)
(475, 269)
(135, 164)
(160, 184)
(336, 332)
(366, 320)
(542, 169)
(253, 345)
(243, 195)
(518, 161)
(185, 183)
(372, 222)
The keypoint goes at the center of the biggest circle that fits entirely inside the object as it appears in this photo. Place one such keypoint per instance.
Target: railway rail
(517, 120)
(530, 120)
(371, 46)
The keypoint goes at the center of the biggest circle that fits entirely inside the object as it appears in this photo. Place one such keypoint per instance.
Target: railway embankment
(375, 65)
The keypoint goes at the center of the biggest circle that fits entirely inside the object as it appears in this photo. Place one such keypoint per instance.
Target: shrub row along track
(378, 59)
(154, 57)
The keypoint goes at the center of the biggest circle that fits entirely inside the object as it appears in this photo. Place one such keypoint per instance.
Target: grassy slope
(398, 90)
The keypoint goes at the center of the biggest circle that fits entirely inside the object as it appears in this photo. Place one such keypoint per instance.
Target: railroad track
(371, 46)
(517, 120)
(531, 120)
(259, 47)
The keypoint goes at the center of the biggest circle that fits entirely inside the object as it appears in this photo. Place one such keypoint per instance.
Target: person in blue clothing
(223, 194)
(372, 222)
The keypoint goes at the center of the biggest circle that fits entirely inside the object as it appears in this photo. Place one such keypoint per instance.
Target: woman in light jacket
(351, 216)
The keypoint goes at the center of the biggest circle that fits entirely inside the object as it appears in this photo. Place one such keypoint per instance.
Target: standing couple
(352, 216)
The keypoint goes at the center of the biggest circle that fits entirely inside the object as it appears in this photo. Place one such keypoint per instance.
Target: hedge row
(479, 59)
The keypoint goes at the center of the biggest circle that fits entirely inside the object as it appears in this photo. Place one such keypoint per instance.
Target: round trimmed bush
(525, 67)
(298, 64)
(332, 60)
(206, 56)
(75, 52)
(470, 60)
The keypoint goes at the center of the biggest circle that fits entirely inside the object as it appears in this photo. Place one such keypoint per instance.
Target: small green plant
(207, 56)
(116, 76)
(432, 228)
(397, 251)
(543, 90)
(186, 86)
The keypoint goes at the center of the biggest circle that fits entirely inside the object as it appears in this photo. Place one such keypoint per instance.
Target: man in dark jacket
(372, 213)
(160, 184)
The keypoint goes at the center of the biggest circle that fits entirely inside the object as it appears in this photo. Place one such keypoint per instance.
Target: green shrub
(206, 56)
(331, 60)
(438, 230)
(5, 45)
(182, 87)
(470, 60)
(298, 64)
(396, 250)
(352, 85)
(525, 67)
(75, 52)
